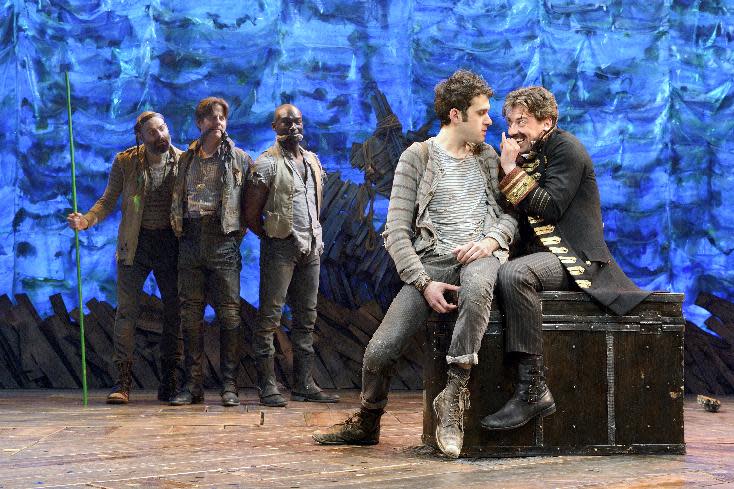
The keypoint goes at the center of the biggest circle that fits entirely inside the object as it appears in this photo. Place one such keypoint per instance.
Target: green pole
(85, 397)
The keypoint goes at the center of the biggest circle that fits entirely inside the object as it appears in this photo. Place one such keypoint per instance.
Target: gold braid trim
(517, 185)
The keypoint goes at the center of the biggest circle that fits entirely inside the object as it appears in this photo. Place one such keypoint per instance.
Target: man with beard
(445, 229)
(283, 203)
(207, 215)
(549, 178)
(144, 176)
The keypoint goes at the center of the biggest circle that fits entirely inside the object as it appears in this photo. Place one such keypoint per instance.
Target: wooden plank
(11, 377)
(144, 364)
(99, 348)
(335, 367)
(22, 300)
(285, 349)
(212, 377)
(38, 357)
(340, 341)
(59, 308)
(6, 305)
(96, 337)
(10, 341)
(65, 343)
(105, 314)
(331, 310)
(716, 306)
(320, 373)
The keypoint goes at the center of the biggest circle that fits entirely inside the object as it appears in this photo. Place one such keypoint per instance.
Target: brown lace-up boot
(361, 428)
(120, 393)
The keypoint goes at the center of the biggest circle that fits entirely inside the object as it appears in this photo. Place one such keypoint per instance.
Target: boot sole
(435, 434)
(545, 412)
(117, 401)
(298, 398)
(273, 404)
(341, 442)
(193, 401)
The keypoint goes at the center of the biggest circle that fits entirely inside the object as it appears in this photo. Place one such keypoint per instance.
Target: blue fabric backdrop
(647, 86)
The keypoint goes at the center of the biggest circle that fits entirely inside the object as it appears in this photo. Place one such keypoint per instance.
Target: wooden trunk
(617, 380)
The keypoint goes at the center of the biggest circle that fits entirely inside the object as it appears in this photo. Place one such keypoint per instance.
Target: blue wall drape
(647, 86)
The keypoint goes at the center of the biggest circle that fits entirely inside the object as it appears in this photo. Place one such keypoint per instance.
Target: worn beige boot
(449, 406)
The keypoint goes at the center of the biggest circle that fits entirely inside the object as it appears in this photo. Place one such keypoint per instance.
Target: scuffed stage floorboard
(47, 439)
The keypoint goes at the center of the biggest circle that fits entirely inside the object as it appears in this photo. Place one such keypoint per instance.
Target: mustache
(206, 134)
(284, 137)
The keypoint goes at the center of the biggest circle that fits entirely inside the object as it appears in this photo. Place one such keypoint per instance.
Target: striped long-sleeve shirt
(410, 232)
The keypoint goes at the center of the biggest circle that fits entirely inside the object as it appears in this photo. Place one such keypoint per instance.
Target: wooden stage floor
(49, 440)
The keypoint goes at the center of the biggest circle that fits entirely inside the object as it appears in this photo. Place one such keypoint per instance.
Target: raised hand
(509, 153)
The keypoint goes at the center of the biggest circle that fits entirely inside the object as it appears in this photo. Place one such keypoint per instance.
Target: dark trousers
(408, 313)
(286, 274)
(157, 252)
(519, 282)
(209, 266)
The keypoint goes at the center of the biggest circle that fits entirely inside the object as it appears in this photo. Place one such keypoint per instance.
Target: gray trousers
(520, 280)
(408, 312)
(286, 275)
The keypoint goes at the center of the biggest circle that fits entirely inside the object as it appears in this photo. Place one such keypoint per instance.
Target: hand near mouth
(510, 150)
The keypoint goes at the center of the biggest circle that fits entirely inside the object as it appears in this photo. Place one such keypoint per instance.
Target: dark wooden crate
(617, 380)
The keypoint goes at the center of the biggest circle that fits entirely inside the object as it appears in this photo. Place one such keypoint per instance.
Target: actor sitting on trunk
(206, 213)
(445, 229)
(144, 176)
(283, 202)
(549, 178)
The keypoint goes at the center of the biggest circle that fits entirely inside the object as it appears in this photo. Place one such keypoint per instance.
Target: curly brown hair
(206, 107)
(457, 92)
(539, 101)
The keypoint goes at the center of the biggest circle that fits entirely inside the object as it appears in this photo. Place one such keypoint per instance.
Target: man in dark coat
(549, 178)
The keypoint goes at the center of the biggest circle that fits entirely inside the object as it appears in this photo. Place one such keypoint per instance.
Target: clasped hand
(77, 221)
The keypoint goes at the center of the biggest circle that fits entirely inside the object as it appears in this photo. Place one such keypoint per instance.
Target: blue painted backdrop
(647, 86)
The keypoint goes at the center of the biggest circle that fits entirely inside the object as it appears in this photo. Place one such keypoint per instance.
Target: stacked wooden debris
(356, 269)
(46, 353)
(709, 360)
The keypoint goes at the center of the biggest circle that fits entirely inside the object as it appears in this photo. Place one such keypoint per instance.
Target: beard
(161, 146)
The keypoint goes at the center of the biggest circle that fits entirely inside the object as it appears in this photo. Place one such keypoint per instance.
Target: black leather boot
(192, 392)
(229, 361)
(169, 379)
(266, 385)
(532, 398)
(304, 387)
(120, 393)
(361, 428)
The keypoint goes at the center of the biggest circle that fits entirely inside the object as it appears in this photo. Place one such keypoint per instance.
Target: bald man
(282, 207)
(143, 175)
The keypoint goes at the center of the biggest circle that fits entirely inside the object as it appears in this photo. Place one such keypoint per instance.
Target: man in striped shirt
(447, 234)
